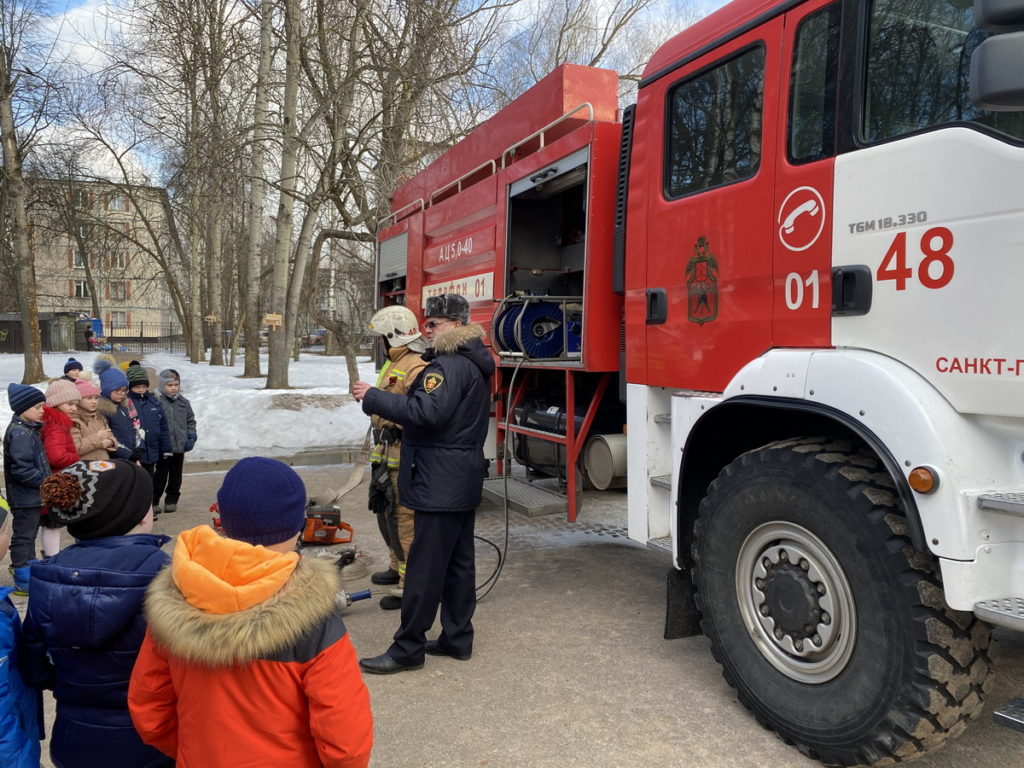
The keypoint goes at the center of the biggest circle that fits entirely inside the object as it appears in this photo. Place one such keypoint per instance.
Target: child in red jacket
(62, 398)
(247, 662)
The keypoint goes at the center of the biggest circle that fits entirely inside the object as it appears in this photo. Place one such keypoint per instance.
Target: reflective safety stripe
(401, 570)
(383, 374)
(377, 457)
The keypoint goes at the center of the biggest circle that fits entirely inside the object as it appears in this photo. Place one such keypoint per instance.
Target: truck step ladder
(1003, 612)
(1008, 503)
(662, 481)
(526, 498)
(1011, 715)
(661, 544)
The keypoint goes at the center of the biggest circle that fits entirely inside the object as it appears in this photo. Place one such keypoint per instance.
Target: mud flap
(682, 619)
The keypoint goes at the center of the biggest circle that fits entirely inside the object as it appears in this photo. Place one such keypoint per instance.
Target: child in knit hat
(20, 724)
(119, 411)
(89, 429)
(72, 370)
(181, 425)
(156, 438)
(62, 398)
(25, 468)
(85, 621)
(243, 633)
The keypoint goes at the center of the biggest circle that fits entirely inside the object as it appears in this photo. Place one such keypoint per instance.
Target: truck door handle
(852, 286)
(657, 306)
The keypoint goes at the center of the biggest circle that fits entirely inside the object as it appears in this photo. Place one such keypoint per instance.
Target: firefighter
(444, 418)
(398, 328)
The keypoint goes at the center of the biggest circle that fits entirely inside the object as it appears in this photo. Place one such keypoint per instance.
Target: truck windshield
(919, 58)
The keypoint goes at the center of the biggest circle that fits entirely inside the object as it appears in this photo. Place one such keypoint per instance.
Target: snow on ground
(237, 417)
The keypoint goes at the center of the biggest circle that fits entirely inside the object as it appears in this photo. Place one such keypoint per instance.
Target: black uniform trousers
(440, 570)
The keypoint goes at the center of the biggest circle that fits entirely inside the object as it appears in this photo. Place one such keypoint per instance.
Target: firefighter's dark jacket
(444, 419)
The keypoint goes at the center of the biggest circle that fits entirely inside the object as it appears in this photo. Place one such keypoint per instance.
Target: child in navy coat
(20, 706)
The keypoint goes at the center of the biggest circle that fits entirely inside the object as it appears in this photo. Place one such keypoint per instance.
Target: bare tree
(24, 94)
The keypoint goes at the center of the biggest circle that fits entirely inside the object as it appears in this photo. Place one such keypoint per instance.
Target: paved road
(570, 668)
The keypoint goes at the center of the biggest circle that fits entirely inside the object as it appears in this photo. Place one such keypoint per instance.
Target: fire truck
(778, 299)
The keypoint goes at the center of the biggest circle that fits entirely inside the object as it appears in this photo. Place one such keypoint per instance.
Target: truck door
(802, 222)
(710, 219)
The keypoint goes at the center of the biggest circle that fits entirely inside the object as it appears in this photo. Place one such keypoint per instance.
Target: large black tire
(831, 627)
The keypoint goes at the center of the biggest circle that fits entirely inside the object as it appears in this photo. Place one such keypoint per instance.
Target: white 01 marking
(795, 289)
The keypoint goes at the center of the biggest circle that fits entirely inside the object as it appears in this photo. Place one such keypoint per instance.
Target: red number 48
(936, 244)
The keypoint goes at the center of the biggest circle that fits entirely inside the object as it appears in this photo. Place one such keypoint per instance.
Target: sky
(236, 417)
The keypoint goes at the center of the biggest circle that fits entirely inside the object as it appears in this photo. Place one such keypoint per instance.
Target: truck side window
(714, 131)
(918, 65)
(812, 101)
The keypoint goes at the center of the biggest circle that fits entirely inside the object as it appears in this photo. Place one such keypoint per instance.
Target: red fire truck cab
(777, 297)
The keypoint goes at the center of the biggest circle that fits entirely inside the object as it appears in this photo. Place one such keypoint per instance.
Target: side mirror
(997, 65)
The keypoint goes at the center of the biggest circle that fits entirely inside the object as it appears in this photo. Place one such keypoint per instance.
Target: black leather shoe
(385, 665)
(390, 576)
(391, 602)
(433, 649)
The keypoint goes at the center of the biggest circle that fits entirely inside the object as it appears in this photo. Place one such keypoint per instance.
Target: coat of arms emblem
(701, 284)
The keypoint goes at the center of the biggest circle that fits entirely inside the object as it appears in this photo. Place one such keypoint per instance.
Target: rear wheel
(830, 626)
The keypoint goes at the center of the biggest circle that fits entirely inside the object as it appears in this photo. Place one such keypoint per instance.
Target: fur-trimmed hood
(450, 342)
(308, 596)
(466, 340)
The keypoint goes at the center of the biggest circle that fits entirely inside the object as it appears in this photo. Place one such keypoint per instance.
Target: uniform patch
(432, 381)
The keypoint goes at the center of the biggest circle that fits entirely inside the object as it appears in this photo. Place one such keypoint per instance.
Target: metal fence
(61, 333)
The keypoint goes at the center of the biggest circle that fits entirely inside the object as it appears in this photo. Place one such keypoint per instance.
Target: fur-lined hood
(467, 341)
(198, 636)
(106, 406)
(450, 342)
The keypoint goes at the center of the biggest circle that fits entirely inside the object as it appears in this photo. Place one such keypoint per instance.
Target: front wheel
(830, 626)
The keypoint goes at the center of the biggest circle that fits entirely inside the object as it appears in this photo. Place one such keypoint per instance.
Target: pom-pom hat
(21, 397)
(73, 365)
(61, 391)
(262, 501)
(86, 388)
(111, 377)
(95, 499)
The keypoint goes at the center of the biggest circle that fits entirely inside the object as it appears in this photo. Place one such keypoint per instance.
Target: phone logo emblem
(801, 218)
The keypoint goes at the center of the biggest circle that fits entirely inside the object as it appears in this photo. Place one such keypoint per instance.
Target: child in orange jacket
(244, 631)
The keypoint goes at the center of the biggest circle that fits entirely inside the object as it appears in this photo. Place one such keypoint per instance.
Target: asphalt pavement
(569, 665)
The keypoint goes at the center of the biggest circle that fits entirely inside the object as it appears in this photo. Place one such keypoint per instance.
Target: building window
(715, 125)
(81, 289)
(80, 199)
(118, 261)
(812, 101)
(118, 290)
(116, 203)
(118, 319)
(918, 69)
(80, 260)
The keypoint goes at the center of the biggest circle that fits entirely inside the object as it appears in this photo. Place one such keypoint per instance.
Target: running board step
(1011, 715)
(525, 498)
(1010, 503)
(662, 481)
(1005, 612)
(661, 544)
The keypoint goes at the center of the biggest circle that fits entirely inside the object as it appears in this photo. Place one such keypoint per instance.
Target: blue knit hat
(22, 397)
(111, 379)
(73, 365)
(262, 501)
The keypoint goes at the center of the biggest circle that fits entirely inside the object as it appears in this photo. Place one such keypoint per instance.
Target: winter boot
(390, 576)
(21, 579)
(168, 508)
(390, 603)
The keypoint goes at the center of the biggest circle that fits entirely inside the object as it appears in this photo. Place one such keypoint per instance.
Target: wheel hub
(796, 601)
(792, 600)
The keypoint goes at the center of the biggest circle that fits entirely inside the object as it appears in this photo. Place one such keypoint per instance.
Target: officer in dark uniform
(444, 418)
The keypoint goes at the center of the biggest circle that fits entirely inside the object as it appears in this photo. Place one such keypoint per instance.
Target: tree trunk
(277, 368)
(251, 284)
(213, 271)
(24, 264)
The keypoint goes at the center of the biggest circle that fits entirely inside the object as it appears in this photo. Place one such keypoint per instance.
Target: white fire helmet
(397, 324)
